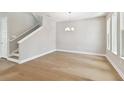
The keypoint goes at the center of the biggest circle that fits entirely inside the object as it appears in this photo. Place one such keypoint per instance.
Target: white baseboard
(29, 59)
(80, 52)
(116, 67)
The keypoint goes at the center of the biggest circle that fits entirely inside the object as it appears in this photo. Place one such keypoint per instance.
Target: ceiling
(64, 16)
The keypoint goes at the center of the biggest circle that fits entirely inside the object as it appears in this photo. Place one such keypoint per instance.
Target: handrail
(31, 34)
(23, 33)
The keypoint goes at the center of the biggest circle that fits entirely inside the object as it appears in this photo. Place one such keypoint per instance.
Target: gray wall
(89, 36)
(42, 41)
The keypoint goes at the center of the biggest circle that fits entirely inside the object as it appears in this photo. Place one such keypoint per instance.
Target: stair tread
(15, 53)
(14, 57)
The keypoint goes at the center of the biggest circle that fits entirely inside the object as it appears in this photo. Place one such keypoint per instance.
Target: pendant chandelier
(69, 27)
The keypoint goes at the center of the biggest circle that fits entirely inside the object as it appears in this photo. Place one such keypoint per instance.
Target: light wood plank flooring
(4, 64)
(63, 66)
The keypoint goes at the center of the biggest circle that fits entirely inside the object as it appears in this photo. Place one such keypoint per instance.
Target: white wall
(44, 40)
(89, 36)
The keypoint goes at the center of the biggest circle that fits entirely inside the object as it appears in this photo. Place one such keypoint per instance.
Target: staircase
(14, 56)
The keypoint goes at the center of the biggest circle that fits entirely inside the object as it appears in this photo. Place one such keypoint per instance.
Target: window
(122, 35)
(108, 33)
(114, 33)
(122, 43)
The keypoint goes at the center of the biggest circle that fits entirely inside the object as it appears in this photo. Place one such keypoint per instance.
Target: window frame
(114, 34)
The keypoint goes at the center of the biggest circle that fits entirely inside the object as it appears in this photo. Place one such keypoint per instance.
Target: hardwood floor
(4, 64)
(63, 66)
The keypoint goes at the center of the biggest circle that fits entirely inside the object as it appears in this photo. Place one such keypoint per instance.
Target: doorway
(3, 38)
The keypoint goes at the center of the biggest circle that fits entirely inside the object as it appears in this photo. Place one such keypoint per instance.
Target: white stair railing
(20, 35)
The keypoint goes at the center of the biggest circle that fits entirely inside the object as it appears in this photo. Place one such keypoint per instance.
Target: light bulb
(67, 29)
(72, 28)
